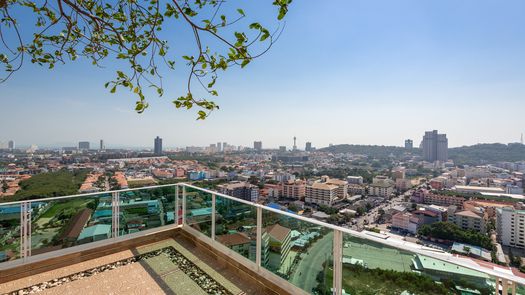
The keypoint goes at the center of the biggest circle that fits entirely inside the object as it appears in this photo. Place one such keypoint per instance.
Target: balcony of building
(181, 239)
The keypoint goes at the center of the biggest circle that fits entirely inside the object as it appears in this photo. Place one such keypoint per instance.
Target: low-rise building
(241, 190)
(474, 219)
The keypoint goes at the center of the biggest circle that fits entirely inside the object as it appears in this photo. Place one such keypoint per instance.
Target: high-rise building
(282, 148)
(83, 145)
(157, 148)
(435, 146)
(294, 143)
(11, 145)
(224, 146)
(257, 145)
(219, 147)
(102, 147)
(308, 147)
(409, 144)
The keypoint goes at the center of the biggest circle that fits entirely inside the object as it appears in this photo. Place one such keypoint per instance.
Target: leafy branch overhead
(130, 31)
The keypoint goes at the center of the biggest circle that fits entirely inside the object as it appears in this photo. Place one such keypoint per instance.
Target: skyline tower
(435, 147)
(308, 147)
(157, 148)
(409, 144)
(294, 143)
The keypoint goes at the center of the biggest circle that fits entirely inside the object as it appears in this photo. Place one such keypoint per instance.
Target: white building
(510, 226)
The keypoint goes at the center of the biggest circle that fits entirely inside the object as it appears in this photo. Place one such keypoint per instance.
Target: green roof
(428, 263)
(95, 230)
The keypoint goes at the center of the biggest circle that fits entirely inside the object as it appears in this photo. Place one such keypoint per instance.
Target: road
(311, 263)
(371, 217)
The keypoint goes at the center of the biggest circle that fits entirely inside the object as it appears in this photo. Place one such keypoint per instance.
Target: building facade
(435, 147)
(241, 190)
(294, 189)
(157, 146)
(321, 193)
(510, 227)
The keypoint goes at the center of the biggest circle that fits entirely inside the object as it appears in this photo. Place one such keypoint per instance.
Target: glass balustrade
(64, 223)
(145, 209)
(236, 226)
(9, 232)
(199, 210)
(298, 251)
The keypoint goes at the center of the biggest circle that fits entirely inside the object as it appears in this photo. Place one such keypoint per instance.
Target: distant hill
(487, 153)
(471, 155)
(375, 151)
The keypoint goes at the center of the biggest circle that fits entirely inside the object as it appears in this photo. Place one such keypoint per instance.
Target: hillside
(472, 155)
(487, 153)
(375, 151)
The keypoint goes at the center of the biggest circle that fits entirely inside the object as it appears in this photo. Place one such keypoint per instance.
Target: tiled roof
(233, 239)
(278, 232)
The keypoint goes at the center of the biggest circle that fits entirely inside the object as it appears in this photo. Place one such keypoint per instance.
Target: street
(311, 263)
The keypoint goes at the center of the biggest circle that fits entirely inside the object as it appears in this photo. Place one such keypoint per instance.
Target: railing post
(505, 286)
(513, 288)
(258, 242)
(213, 216)
(25, 230)
(184, 205)
(115, 208)
(338, 263)
(177, 204)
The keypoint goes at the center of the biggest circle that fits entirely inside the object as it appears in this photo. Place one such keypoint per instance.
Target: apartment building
(474, 219)
(342, 186)
(241, 190)
(381, 187)
(294, 189)
(510, 227)
(321, 193)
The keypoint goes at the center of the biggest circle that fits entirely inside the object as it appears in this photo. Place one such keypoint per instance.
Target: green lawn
(74, 204)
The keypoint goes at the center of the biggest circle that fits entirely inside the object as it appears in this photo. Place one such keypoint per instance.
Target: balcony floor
(156, 273)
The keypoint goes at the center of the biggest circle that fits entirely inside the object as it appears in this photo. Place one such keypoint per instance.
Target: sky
(344, 71)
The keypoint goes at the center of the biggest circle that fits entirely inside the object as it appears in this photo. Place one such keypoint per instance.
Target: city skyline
(301, 145)
(402, 69)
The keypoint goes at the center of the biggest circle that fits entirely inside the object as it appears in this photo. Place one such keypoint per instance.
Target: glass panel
(236, 226)
(69, 222)
(370, 268)
(9, 232)
(298, 251)
(198, 210)
(146, 209)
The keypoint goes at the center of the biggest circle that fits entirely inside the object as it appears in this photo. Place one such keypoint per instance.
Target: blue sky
(363, 72)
